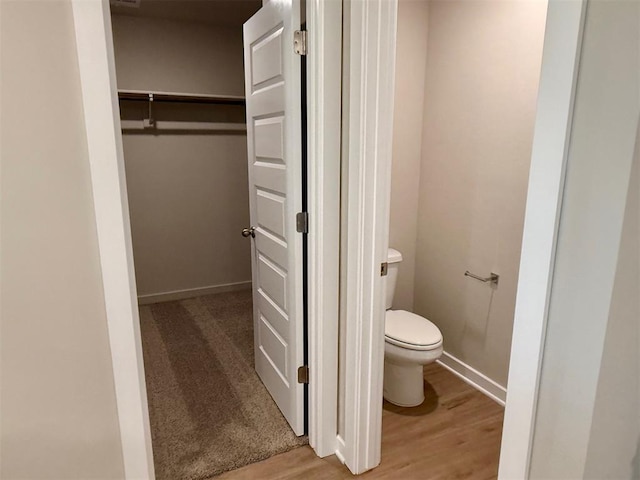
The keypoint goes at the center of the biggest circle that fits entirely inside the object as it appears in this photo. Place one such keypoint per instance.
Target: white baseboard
(478, 380)
(340, 447)
(192, 292)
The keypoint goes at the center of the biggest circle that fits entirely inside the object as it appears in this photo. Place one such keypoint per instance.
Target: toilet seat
(408, 330)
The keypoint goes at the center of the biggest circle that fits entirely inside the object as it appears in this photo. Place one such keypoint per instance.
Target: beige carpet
(209, 410)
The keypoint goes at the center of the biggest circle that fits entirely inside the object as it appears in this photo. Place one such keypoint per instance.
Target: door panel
(266, 57)
(271, 212)
(274, 139)
(273, 282)
(268, 139)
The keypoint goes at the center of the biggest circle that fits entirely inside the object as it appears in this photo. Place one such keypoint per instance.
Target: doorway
(553, 135)
(94, 42)
(467, 76)
(208, 297)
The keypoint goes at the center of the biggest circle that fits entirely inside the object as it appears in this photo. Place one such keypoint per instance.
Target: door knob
(249, 232)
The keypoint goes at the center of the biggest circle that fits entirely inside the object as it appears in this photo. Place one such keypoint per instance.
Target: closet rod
(138, 95)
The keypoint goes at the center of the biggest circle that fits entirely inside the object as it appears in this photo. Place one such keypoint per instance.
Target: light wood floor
(455, 434)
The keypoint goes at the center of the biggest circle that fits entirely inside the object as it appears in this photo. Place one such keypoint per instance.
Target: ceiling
(210, 12)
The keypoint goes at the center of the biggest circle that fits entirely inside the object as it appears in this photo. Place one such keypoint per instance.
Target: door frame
(96, 62)
(324, 117)
(369, 53)
(370, 170)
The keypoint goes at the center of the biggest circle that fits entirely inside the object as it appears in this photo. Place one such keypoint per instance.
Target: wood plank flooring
(455, 434)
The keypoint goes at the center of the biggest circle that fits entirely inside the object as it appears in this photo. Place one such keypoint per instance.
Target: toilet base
(403, 384)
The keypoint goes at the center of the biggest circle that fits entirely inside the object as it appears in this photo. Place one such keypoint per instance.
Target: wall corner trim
(556, 94)
(371, 43)
(96, 64)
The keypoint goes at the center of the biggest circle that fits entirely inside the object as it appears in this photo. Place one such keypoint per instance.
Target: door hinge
(303, 374)
(300, 42)
(383, 269)
(302, 222)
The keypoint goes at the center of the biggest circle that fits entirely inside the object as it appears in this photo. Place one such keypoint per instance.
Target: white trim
(371, 30)
(340, 447)
(324, 80)
(563, 36)
(192, 292)
(104, 140)
(473, 377)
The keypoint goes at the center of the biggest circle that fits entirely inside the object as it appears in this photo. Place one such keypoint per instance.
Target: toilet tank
(394, 257)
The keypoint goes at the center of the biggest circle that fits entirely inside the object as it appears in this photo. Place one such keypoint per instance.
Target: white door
(274, 137)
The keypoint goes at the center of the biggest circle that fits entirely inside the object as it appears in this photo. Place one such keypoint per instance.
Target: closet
(181, 91)
(180, 77)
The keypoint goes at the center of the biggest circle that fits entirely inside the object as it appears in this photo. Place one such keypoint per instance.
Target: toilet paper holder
(492, 278)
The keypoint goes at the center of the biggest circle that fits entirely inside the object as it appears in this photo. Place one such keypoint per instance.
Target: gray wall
(177, 56)
(411, 61)
(463, 201)
(188, 194)
(59, 416)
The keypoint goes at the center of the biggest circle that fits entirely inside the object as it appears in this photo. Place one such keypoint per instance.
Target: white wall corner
(102, 122)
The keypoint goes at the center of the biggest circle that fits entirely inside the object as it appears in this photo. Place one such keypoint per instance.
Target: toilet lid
(409, 330)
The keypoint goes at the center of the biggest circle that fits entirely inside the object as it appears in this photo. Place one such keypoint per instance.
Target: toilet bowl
(411, 341)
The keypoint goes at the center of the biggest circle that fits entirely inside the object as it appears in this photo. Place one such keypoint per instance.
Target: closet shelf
(140, 95)
(133, 125)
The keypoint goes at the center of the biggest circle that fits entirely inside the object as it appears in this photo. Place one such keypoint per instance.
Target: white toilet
(410, 341)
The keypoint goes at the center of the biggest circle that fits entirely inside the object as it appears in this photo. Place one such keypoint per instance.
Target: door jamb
(94, 43)
(324, 84)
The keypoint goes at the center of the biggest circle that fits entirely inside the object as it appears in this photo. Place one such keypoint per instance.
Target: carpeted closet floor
(209, 411)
